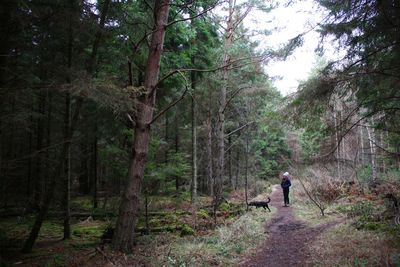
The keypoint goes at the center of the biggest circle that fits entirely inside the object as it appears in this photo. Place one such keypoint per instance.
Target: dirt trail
(288, 238)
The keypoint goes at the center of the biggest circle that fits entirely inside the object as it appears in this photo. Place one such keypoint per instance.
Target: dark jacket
(286, 183)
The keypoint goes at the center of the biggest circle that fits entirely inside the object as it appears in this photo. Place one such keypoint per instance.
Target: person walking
(285, 184)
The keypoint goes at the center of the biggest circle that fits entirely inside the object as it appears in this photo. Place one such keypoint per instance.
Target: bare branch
(351, 127)
(241, 18)
(384, 149)
(196, 16)
(240, 128)
(171, 104)
(233, 96)
(262, 58)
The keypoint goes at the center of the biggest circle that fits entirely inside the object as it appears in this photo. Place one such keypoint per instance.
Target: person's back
(285, 184)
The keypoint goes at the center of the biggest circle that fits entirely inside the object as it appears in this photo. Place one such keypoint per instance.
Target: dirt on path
(288, 239)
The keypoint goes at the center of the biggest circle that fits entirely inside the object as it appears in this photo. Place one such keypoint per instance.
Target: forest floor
(288, 238)
(352, 233)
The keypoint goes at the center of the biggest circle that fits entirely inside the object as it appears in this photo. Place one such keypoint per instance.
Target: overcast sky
(286, 23)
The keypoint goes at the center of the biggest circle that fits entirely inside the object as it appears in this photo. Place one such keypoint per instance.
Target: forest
(150, 133)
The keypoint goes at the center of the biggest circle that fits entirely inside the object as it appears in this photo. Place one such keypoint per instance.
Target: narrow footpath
(288, 239)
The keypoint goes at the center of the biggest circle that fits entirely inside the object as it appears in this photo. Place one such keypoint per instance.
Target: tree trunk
(48, 142)
(123, 239)
(93, 56)
(246, 172)
(38, 183)
(67, 166)
(382, 154)
(84, 179)
(194, 142)
(146, 214)
(372, 140)
(2, 180)
(398, 157)
(67, 170)
(221, 111)
(337, 144)
(130, 75)
(362, 146)
(210, 178)
(47, 199)
(166, 136)
(230, 161)
(94, 168)
(237, 169)
(29, 176)
(176, 143)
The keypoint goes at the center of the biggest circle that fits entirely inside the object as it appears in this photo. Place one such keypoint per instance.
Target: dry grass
(345, 246)
(306, 211)
(224, 246)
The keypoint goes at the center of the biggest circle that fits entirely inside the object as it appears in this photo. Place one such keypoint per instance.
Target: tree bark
(176, 143)
(94, 168)
(123, 239)
(130, 75)
(67, 169)
(337, 144)
(230, 161)
(29, 175)
(372, 141)
(84, 178)
(210, 177)
(194, 142)
(67, 166)
(38, 182)
(48, 141)
(2, 180)
(221, 110)
(166, 136)
(237, 168)
(246, 172)
(362, 161)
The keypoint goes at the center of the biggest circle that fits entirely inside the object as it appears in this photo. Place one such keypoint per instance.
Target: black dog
(258, 204)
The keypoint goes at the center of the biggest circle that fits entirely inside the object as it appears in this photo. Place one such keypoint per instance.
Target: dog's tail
(269, 200)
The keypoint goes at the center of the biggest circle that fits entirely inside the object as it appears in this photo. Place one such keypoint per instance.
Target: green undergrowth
(371, 216)
(13, 231)
(222, 247)
(82, 203)
(83, 234)
(105, 206)
(180, 235)
(55, 260)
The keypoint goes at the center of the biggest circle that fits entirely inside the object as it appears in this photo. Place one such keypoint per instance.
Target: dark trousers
(286, 195)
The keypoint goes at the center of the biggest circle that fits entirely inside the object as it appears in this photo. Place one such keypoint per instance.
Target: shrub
(221, 248)
(362, 209)
(186, 230)
(225, 206)
(202, 213)
(259, 187)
